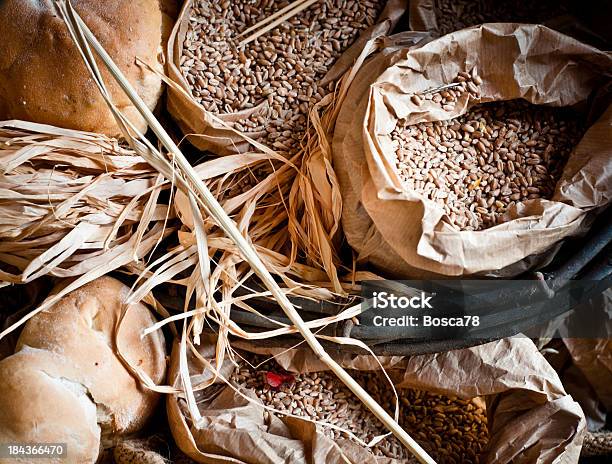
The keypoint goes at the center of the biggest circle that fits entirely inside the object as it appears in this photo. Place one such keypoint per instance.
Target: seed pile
(479, 165)
(453, 15)
(281, 68)
(452, 430)
(465, 84)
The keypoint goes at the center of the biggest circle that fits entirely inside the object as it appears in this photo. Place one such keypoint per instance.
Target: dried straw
(289, 8)
(296, 7)
(73, 204)
(298, 205)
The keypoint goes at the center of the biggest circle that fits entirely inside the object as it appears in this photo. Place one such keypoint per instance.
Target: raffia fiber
(71, 201)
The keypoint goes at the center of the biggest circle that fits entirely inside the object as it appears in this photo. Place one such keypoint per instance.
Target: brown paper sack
(405, 234)
(531, 419)
(594, 358)
(576, 384)
(206, 133)
(584, 363)
(422, 16)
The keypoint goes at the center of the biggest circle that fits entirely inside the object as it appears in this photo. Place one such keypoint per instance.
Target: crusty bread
(80, 328)
(39, 405)
(43, 77)
(72, 346)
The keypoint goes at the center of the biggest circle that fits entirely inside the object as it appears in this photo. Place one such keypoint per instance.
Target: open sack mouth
(473, 158)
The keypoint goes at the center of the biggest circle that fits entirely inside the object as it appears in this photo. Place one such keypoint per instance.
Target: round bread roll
(43, 77)
(70, 348)
(39, 405)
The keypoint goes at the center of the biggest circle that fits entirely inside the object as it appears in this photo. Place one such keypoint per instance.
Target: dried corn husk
(71, 202)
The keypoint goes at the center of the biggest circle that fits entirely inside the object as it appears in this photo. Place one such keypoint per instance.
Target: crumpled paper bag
(576, 384)
(208, 134)
(593, 356)
(399, 231)
(531, 419)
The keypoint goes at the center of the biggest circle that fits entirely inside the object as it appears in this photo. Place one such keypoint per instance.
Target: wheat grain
(452, 430)
(281, 69)
(483, 163)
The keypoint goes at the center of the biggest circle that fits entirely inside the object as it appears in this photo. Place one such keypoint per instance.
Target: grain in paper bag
(214, 132)
(406, 235)
(531, 419)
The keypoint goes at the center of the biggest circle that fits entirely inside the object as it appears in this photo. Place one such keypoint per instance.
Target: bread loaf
(66, 383)
(43, 77)
(38, 404)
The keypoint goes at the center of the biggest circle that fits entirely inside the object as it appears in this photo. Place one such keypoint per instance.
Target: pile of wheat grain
(282, 68)
(479, 165)
(452, 430)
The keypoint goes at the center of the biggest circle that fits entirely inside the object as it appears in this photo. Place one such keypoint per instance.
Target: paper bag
(531, 419)
(404, 234)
